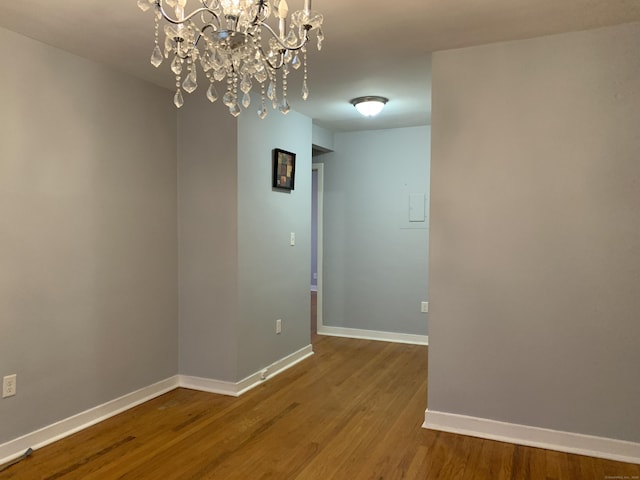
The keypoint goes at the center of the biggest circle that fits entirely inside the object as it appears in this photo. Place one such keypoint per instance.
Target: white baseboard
(209, 385)
(49, 434)
(373, 335)
(235, 389)
(44, 436)
(580, 444)
(274, 369)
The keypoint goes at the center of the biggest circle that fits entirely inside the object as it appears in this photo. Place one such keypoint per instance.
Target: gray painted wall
(88, 276)
(375, 260)
(208, 223)
(535, 264)
(273, 277)
(238, 273)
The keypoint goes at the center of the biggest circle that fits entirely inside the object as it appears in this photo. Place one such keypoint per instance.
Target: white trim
(274, 369)
(235, 389)
(373, 335)
(208, 385)
(56, 431)
(601, 447)
(320, 228)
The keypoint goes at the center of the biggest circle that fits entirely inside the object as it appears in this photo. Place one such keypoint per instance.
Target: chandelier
(236, 47)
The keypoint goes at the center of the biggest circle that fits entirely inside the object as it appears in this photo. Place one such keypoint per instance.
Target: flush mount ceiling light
(225, 37)
(369, 106)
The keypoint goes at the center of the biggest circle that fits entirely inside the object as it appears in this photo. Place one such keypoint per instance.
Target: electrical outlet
(279, 326)
(424, 307)
(9, 385)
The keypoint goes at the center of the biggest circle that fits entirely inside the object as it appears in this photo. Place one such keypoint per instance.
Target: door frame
(319, 167)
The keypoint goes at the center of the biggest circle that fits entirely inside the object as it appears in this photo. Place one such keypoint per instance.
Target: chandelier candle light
(225, 37)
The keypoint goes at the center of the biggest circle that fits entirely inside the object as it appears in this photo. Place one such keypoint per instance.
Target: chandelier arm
(256, 20)
(168, 18)
(208, 25)
(200, 35)
(236, 21)
(202, 19)
(192, 46)
(186, 53)
(265, 59)
(303, 42)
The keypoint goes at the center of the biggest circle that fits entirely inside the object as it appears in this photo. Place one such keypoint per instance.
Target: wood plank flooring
(353, 411)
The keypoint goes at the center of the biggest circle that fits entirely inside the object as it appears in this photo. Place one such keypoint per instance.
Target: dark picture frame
(284, 169)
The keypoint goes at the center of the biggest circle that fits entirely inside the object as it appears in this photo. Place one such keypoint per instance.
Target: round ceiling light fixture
(369, 106)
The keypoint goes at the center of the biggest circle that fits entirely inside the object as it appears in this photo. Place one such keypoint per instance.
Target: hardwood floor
(352, 411)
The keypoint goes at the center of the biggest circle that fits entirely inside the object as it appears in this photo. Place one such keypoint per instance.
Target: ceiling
(372, 47)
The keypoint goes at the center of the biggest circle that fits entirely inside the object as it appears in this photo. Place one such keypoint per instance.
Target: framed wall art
(284, 169)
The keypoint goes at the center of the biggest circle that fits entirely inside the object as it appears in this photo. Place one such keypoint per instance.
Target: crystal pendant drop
(212, 93)
(190, 82)
(284, 106)
(261, 75)
(236, 60)
(262, 113)
(320, 39)
(228, 99)
(291, 40)
(219, 74)
(168, 47)
(245, 85)
(216, 60)
(156, 56)
(246, 100)
(205, 61)
(305, 90)
(271, 91)
(234, 109)
(178, 99)
(295, 63)
(176, 65)
(144, 5)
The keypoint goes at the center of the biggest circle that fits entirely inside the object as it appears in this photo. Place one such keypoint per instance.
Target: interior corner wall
(374, 259)
(535, 233)
(88, 277)
(273, 276)
(208, 251)
(322, 138)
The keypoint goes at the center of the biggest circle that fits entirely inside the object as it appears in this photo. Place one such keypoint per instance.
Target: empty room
(296, 239)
